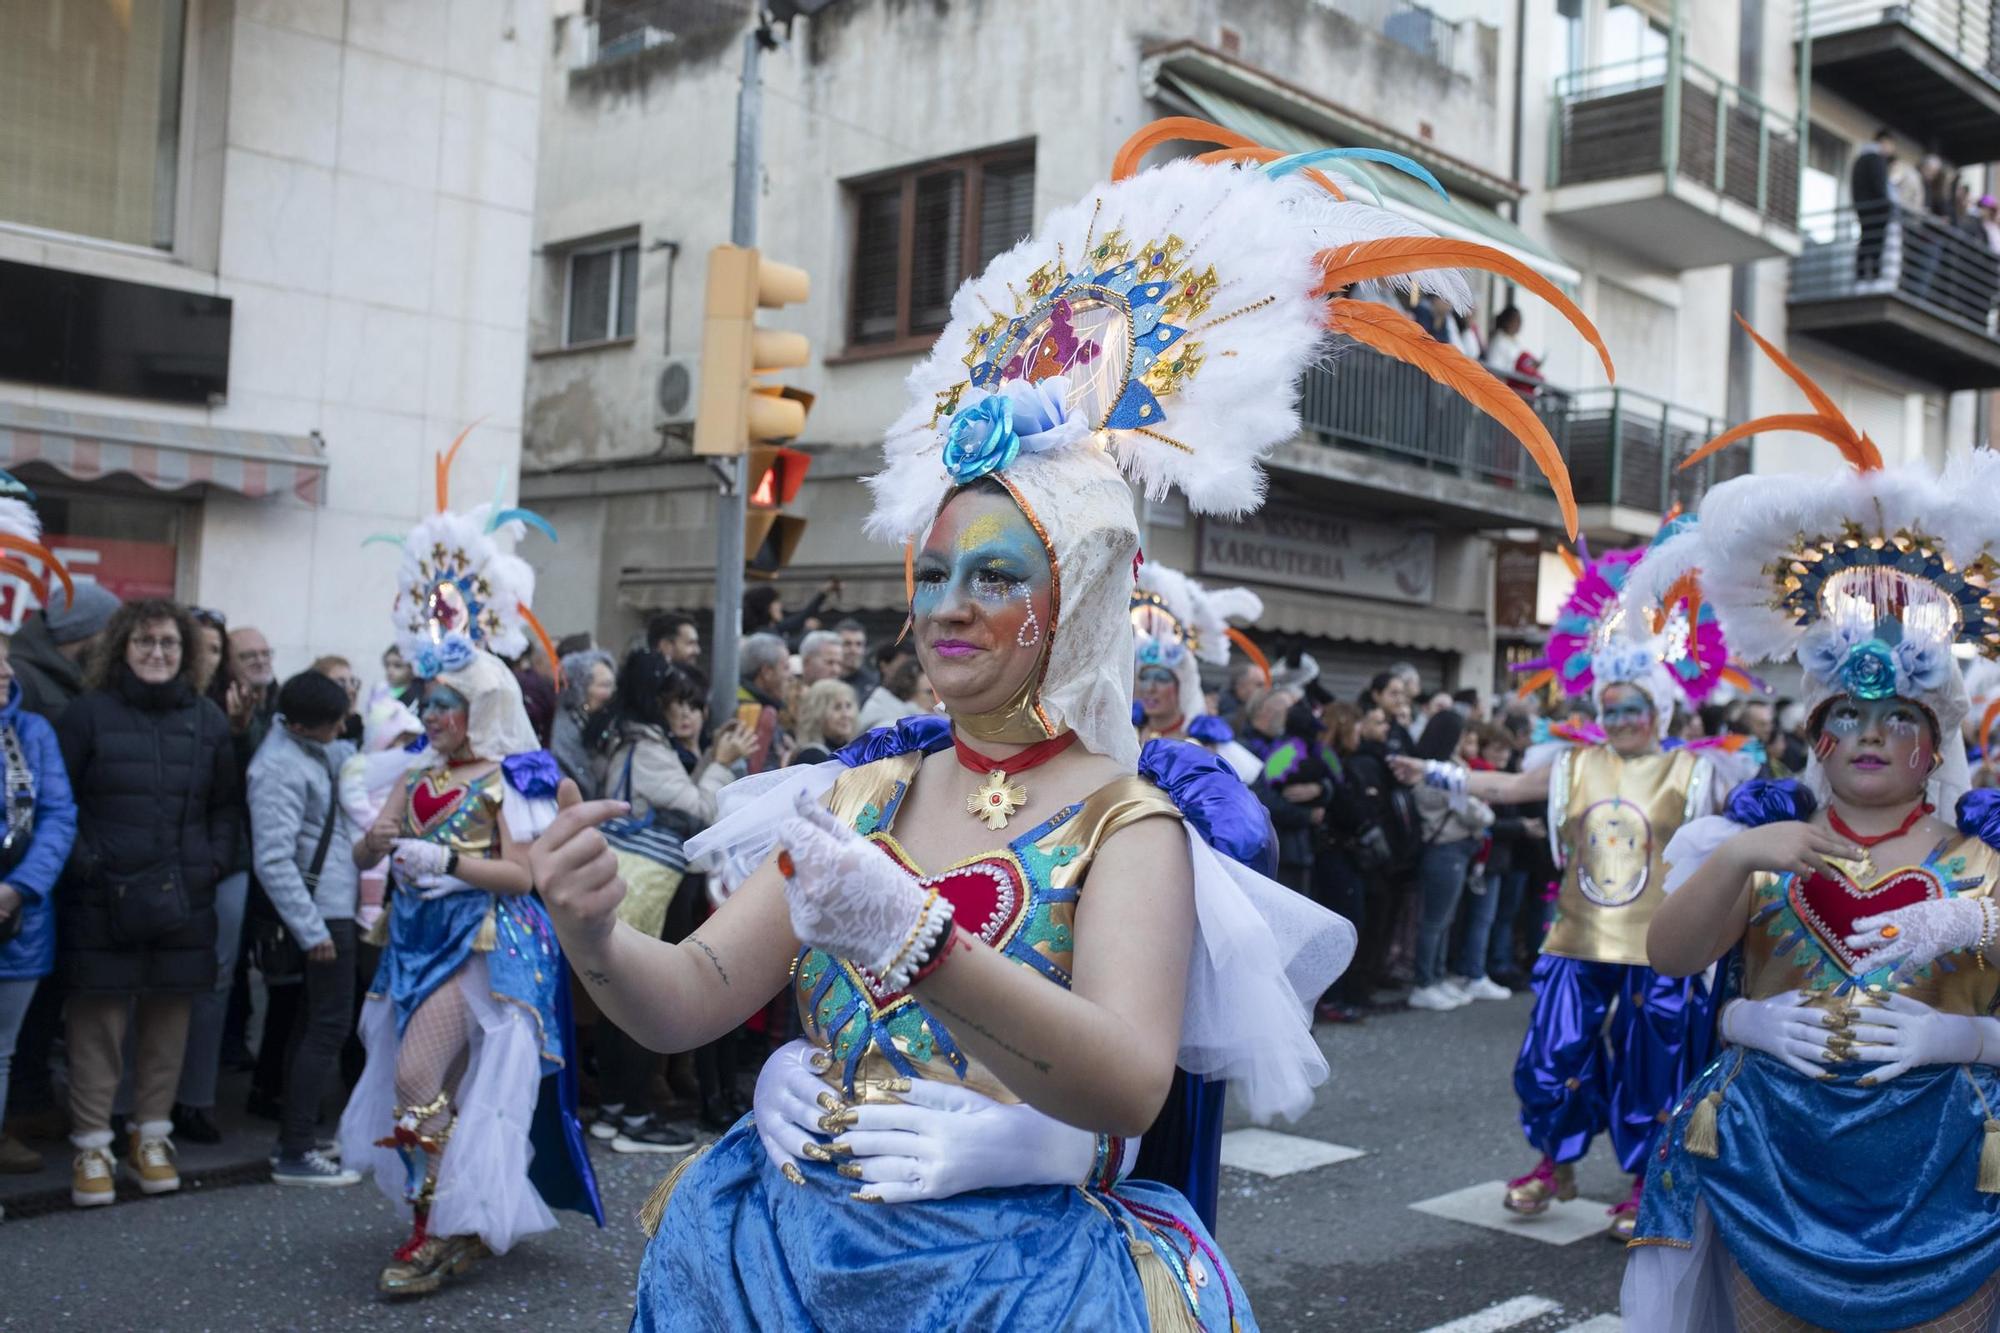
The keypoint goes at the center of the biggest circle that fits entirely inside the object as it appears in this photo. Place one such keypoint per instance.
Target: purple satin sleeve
(924, 733)
(1209, 730)
(533, 774)
(1213, 799)
(1763, 801)
(1979, 815)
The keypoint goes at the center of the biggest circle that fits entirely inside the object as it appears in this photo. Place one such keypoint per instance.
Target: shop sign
(1303, 548)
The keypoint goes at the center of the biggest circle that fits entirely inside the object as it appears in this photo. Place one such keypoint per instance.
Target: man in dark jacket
(1868, 186)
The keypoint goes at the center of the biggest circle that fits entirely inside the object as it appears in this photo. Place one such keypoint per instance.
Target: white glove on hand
(1923, 931)
(418, 862)
(946, 1140)
(1783, 1027)
(1901, 1033)
(849, 899)
(788, 1108)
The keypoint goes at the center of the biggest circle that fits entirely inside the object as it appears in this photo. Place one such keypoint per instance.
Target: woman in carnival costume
(1178, 624)
(1162, 325)
(1610, 1042)
(1836, 1167)
(468, 1016)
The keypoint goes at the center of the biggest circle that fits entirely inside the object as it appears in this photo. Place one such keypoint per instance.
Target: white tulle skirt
(482, 1186)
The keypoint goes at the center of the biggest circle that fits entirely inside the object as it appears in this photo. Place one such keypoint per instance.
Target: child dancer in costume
(1614, 801)
(1836, 1167)
(1178, 625)
(1162, 325)
(467, 1018)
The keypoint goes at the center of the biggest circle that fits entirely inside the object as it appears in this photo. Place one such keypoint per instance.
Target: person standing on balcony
(1868, 186)
(1520, 369)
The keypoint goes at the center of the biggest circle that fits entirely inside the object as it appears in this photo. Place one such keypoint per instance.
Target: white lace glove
(1783, 1027)
(418, 862)
(946, 1140)
(788, 1107)
(849, 899)
(1901, 1033)
(1914, 935)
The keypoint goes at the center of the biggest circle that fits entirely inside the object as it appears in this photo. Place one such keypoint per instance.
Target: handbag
(152, 902)
(650, 856)
(276, 954)
(20, 828)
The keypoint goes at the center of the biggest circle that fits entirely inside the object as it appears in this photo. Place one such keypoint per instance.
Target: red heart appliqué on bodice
(429, 805)
(985, 898)
(1829, 907)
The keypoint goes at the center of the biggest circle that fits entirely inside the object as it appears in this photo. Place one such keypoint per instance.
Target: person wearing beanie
(54, 644)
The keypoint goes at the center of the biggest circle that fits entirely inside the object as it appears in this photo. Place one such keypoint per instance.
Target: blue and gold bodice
(1019, 898)
(460, 813)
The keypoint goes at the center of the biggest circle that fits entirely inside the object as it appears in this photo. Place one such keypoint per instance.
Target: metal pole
(729, 499)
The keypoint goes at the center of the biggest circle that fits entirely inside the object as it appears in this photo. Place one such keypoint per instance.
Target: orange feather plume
(1986, 720)
(9, 542)
(1395, 335)
(444, 461)
(1399, 256)
(1251, 651)
(1687, 588)
(1258, 154)
(909, 572)
(21, 570)
(1166, 130)
(542, 637)
(1826, 420)
(1535, 682)
(1740, 679)
(1571, 561)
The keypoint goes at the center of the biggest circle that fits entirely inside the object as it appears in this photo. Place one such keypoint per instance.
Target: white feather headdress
(25, 563)
(1178, 624)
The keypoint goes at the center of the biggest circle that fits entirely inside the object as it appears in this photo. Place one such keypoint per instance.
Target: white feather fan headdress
(25, 563)
(1868, 577)
(1159, 330)
(1178, 624)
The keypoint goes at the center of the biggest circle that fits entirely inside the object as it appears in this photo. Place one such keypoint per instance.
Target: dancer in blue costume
(1019, 914)
(1838, 1167)
(467, 1023)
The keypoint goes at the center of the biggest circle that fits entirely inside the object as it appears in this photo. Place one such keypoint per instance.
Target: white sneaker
(1434, 998)
(605, 1127)
(1485, 988)
(1455, 988)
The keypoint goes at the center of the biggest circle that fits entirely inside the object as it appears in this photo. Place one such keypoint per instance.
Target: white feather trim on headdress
(26, 565)
(1179, 624)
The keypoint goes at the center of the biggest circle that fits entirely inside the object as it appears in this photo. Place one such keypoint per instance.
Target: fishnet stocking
(433, 1055)
(1754, 1314)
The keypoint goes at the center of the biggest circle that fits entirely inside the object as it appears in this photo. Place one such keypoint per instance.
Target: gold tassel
(1166, 1304)
(1703, 1137)
(487, 936)
(1989, 1159)
(656, 1203)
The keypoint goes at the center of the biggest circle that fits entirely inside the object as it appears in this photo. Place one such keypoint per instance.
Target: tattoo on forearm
(595, 977)
(719, 969)
(958, 1019)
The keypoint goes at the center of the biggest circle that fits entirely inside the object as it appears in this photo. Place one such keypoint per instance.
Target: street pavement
(1424, 1099)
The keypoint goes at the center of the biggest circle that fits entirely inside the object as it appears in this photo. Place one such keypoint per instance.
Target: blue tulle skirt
(1849, 1207)
(429, 942)
(742, 1249)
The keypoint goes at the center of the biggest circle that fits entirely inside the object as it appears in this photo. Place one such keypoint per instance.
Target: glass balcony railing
(1664, 113)
(1623, 447)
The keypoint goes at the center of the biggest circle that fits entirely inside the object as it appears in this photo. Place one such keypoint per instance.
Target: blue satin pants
(1579, 1075)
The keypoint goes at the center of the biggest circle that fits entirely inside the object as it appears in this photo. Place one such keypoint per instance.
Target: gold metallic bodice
(1781, 953)
(1617, 815)
(464, 816)
(874, 1039)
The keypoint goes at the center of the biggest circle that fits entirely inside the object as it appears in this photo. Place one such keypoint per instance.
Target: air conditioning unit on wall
(677, 393)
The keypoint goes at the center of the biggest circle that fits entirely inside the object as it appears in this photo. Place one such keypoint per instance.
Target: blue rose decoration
(456, 653)
(1924, 666)
(427, 663)
(1869, 671)
(981, 439)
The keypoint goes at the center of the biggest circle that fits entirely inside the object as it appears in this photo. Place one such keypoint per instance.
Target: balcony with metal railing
(1928, 67)
(1663, 159)
(1623, 447)
(1905, 291)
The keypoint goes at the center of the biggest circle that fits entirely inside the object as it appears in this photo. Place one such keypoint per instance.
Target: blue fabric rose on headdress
(1924, 667)
(426, 663)
(456, 653)
(1869, 671)
(981, 439)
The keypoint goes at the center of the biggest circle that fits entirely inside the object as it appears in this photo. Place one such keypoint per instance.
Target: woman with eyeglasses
(158, 820)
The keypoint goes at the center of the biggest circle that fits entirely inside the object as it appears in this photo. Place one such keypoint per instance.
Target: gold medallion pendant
(996, 799)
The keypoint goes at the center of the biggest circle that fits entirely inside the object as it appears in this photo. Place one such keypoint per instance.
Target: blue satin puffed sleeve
(1209, 730)
(534, 774)
(924, 732)
(1979, 815)
(1213, 799)
(1763, 801)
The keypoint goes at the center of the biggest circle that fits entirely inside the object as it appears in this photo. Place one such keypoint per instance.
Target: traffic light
(736, 411)
(770, 535)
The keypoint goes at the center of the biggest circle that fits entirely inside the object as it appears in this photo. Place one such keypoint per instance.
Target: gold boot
(422, 1269)
(1531, 1195)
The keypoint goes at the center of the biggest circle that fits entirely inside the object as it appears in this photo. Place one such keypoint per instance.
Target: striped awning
(168, 455)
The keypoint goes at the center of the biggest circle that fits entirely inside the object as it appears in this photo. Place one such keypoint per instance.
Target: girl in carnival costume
(1610, 1041)
(1835, 1168)
(1178, 624)
(468, 1017)
(1162, 324)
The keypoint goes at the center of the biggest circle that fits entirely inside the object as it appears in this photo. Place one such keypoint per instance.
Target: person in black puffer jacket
(158, 819)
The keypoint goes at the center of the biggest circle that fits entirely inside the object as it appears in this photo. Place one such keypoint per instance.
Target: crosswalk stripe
(1604, 1323)
(1494, 1318)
